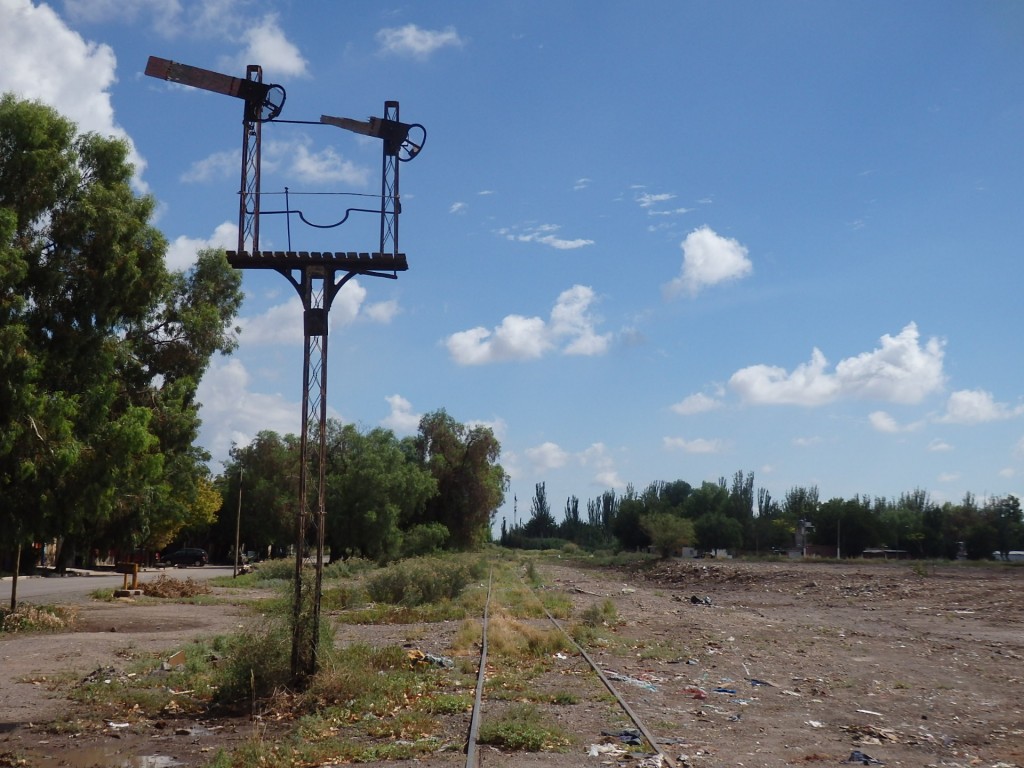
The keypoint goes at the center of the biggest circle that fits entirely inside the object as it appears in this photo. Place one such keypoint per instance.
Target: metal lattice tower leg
(249, 188)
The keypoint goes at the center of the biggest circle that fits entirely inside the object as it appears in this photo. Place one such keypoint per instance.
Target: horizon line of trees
(385, 497)
(668, 516)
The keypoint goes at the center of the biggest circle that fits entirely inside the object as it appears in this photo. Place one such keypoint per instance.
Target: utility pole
(238, 520)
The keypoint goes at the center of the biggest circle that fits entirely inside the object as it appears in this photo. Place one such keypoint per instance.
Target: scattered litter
(625, 736)
(755, 682)
(116, 726)
(700, 600)
(698, 693)
(631, 680)
(869, 712)
(735, 718)
(421, 659)
(792, 693)
(726, 690)
(740, 702)
(872, 734)
(597, 750)
(652, 761)
(861, 759)
(815, 724)
(177, 660)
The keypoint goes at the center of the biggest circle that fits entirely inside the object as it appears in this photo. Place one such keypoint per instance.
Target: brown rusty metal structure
(317, 276)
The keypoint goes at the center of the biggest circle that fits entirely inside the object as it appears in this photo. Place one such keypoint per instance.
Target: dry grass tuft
(165, 586)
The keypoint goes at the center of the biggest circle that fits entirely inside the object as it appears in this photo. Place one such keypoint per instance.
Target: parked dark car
(186, 557)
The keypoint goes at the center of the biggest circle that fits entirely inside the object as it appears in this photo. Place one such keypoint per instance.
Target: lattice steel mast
(317, 277)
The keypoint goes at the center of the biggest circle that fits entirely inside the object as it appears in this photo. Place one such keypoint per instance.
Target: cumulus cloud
(697, 403)
(219, 165)
(883, 422)
(402, 420)
(181, 252)
(282, 323)
(547, 456)
(976, 406)
(709, 259)
(901, 370)
(325, 166)
(411, 40)
(605, 475)
(545, 235)
(47, 61)
(231, 413)
(697, 445)
(265, 42)
(571, 329)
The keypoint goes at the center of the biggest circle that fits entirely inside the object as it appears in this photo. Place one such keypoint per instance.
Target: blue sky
(647, 241)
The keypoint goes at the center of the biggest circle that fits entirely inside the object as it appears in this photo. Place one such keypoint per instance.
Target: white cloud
(527, 338)
(605, 475)
(402, 420)
(709, 259)
(458, 208)
(233, 414)
(883, 422)
(282, 323)
(571, 318)
(546, 456)
(382, 311)
(948, 477)
(266, 44)
(807, 441)
(938, 445)
(582, 183)
(976, 406)
(697, 445)
(900, 371)
(411, 40)
(696, 403)
(45, 60)
(181, 252)
(544, 234)
(646, 199)
(325, 166)
(219, 165)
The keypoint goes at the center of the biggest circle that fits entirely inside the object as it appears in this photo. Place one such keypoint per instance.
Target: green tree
(668, 533)
(471, 484)
(541, 524)
(372, 491)
(716, 530)
(103, 348)
(264, 477)
(626, 526)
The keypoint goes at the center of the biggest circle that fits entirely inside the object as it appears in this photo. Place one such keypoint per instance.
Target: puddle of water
(100, 757)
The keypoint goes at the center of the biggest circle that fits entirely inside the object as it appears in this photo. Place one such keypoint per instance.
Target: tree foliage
(471, 483)
(102, 346)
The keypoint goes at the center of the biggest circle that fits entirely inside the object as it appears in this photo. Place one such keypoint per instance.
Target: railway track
(475, 756)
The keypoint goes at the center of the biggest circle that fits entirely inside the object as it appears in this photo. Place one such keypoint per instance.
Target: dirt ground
(729, 663)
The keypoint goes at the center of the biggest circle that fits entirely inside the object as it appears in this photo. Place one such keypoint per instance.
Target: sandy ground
(731, 664)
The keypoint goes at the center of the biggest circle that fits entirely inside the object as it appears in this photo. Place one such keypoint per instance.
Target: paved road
(75, 589)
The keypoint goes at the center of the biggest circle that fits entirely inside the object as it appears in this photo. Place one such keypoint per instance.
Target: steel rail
(472, 754)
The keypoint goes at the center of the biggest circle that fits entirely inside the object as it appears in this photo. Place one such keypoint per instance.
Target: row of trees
(101, 347)
(731, 515)
(385, 497)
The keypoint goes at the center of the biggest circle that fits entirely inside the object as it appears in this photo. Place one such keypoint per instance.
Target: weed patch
(37, 618)
(524, 728)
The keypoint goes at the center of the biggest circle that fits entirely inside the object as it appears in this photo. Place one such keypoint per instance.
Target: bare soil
(730, 663)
